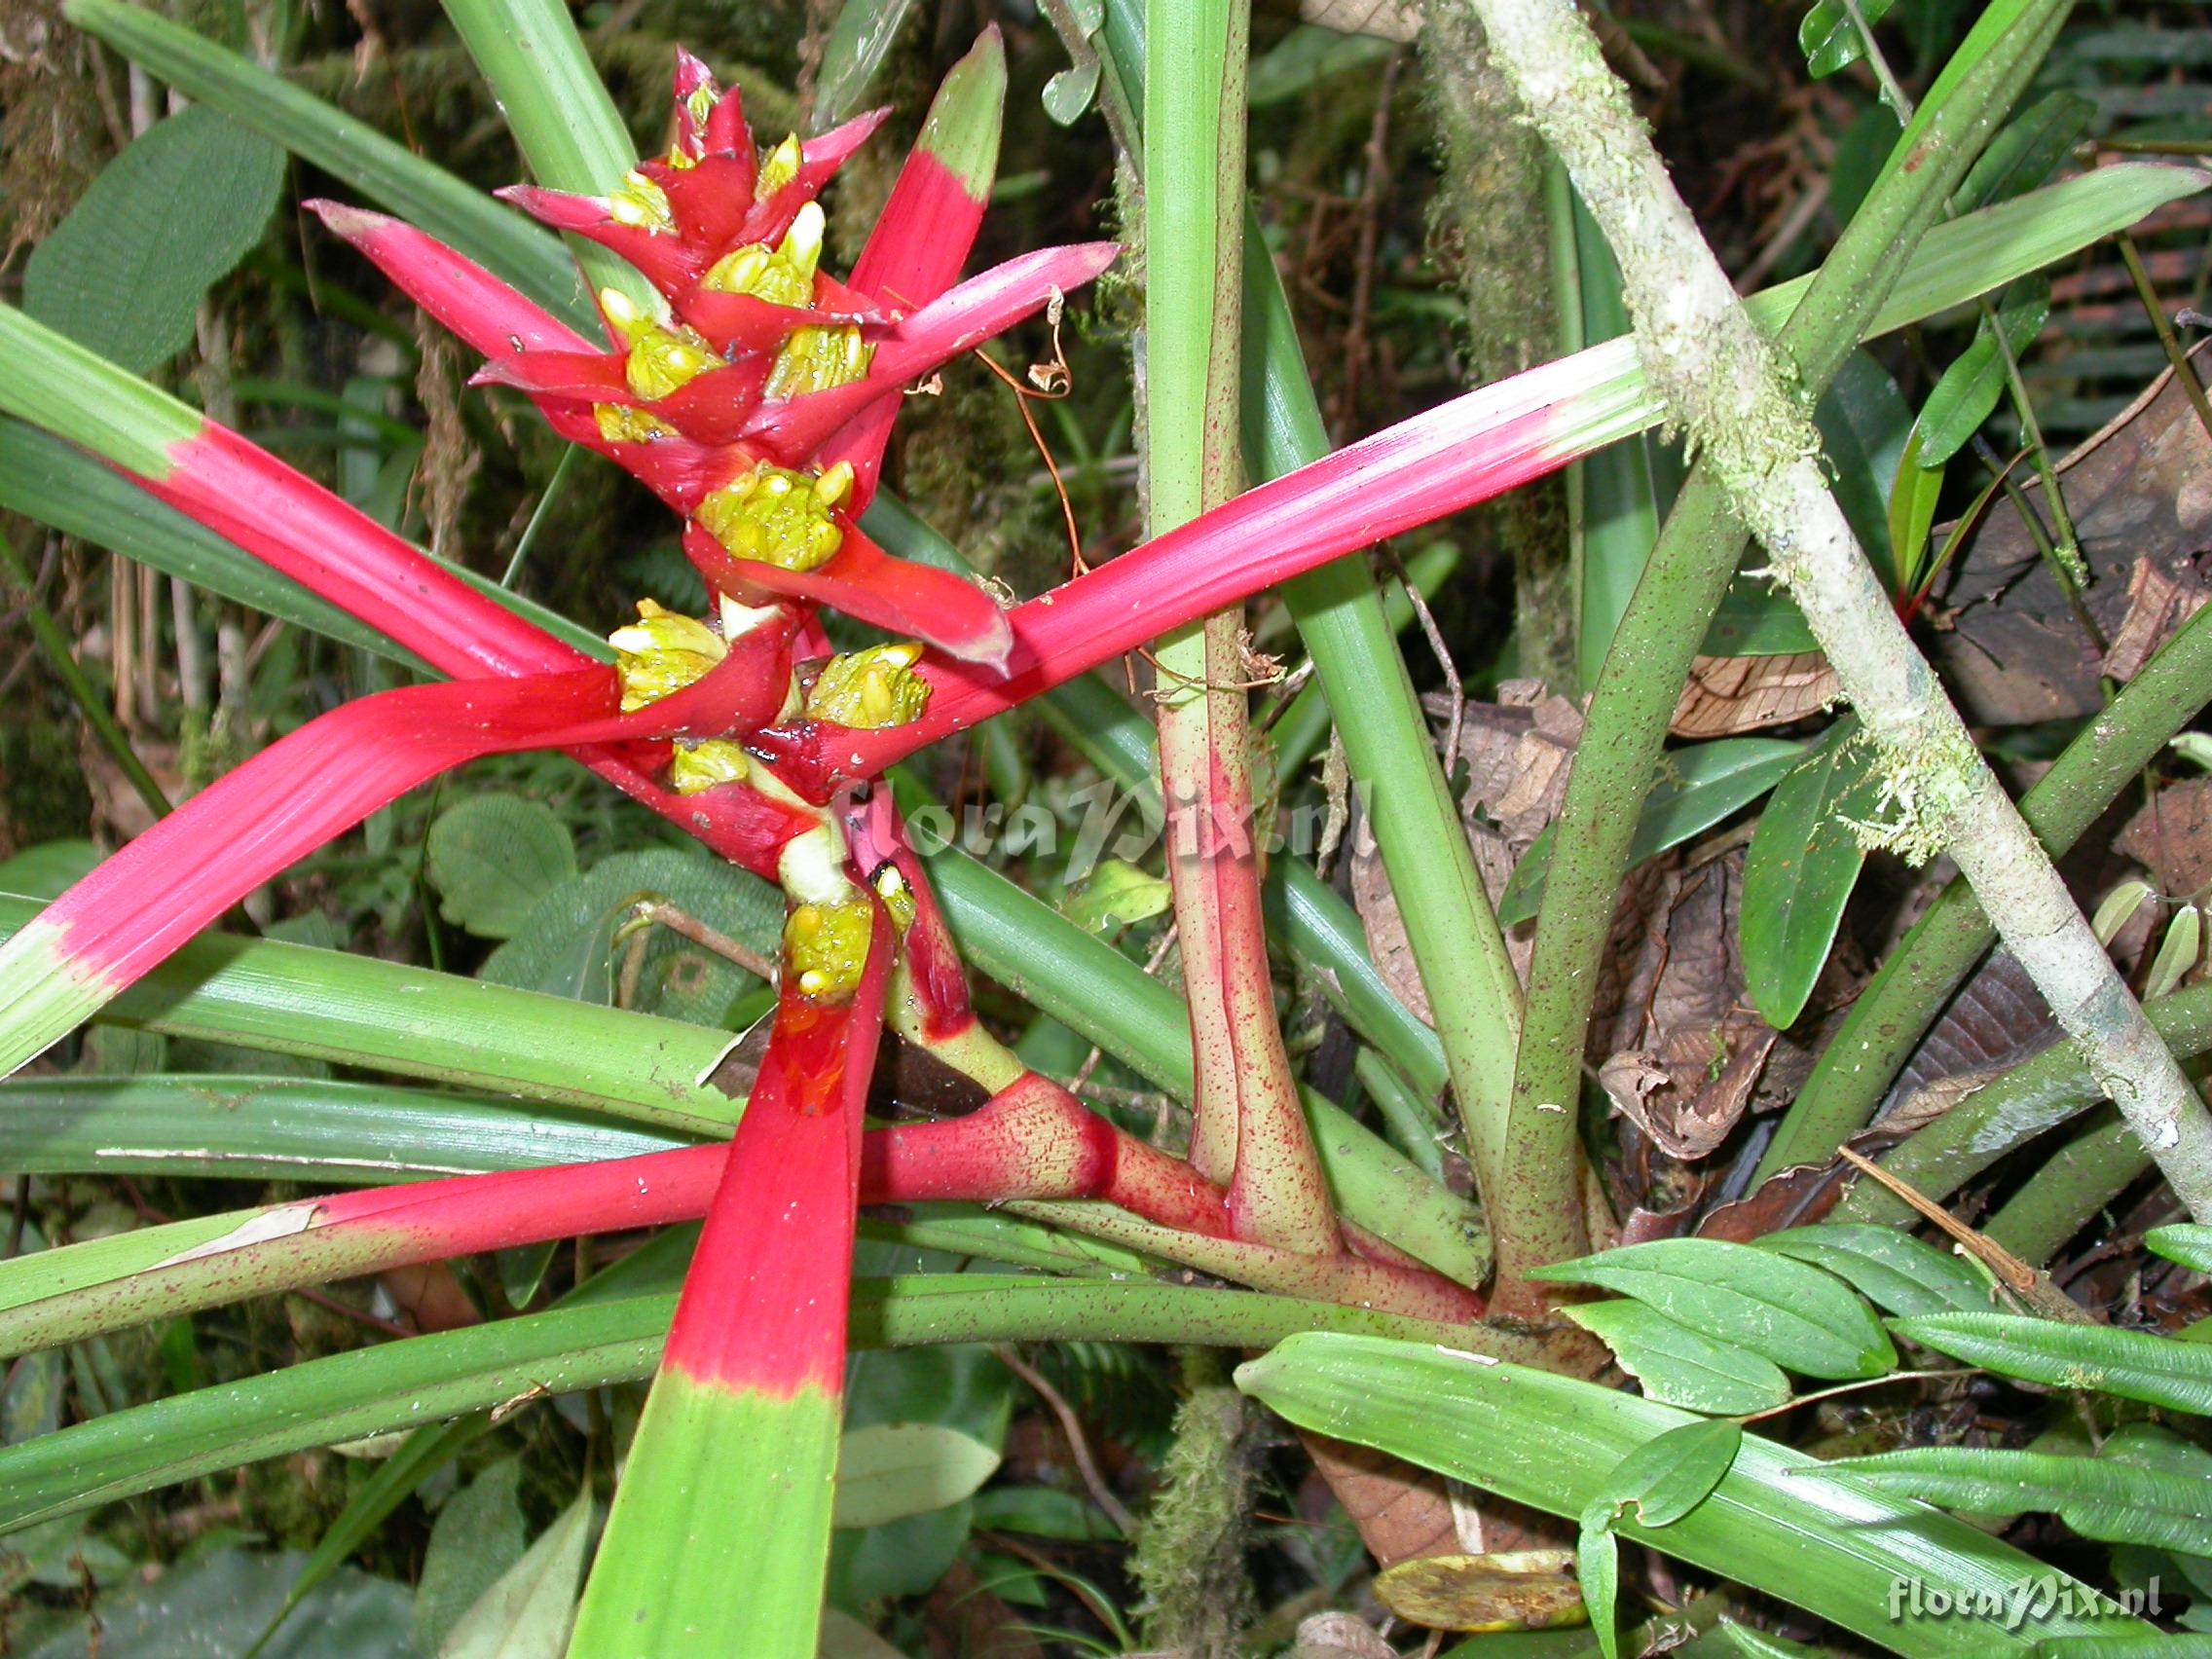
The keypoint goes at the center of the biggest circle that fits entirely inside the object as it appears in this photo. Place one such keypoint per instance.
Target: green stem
(2085, 1175)
(54, 644)
(2184, 370)
(1651, 655)
(1247, 1131)
(2005, 1115)
(1910, 988)
(559, 111)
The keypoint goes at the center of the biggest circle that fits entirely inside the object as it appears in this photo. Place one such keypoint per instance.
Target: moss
(1190, 1552)
(1491, 196)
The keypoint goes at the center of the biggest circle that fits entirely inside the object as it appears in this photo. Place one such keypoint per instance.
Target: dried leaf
(1385, 928)
(2159, 600)
(1390, 20)
(1728, 695)
(1339, 1636)
(2139, 490)
(1403, 1513)
(1527, 1590)
(1689, 1094)
(2172, 835)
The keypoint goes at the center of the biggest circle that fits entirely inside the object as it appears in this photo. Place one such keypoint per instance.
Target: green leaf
(1682, 1366)
(218, 1603)
(2187, 1242)
(164, 222)
(1831, 40)
(1776, 1522)
(1803, 863)
(2115, 1501)
(1597, 1568)
(890, 1470)
(1888, 1266)
(358, 1011)
(1796, 1315)
(47, 869)
(562, 946)
(1970, 386)
(1864, 423)
(1043, 1512)
(384, 171)
(2026, 151)
(527, 1613)
(1913, 499)
(477, 1536)
(493, 856)
(1116, 894)
(2135, 1365)
(1703, 784)
(858, 42)
(1666, 1476)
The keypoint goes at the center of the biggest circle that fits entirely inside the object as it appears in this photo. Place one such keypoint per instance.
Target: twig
(1717, 372)
(1452, 683)
(2185, 371)
(1079, 1448)
(652, 913)
(2031, 1288)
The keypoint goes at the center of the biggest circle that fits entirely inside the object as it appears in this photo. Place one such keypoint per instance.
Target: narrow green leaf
(2135, 1365)
(59, 485)
(888, 1471)
(1913, 499)
(1796, 1315)
(560, 112)
(1598, 1568)
(1670, 1475)
(1705, 782)
(2114, 1502)
(386, 172)
(1682, 1366)
(1970, 386)
(358, 1011)
(1888, 1266)
(492, 858)
(162, 224)
(1776, 1522)
(527, 1614)
(2026, 151)
(612, 1331)
(858, 42)
(2187, 1242)
(1799, 876)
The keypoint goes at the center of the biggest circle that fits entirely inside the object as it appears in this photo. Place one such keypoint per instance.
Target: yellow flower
(781, 275)
(707, 764)
(777, 168)
(871, 689)
(661, 652)
(826, 948)
(780, 517)
(640, 202)
(818, 358)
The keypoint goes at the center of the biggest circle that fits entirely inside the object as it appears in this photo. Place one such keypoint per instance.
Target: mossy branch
(1734, 398)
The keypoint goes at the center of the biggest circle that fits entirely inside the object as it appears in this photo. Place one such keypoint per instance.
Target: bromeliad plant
(753, 392)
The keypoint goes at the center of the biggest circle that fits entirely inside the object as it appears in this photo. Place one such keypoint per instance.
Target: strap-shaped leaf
(1796, 1315)
(1776, 1521)
(2136, 1365)
(2115, 1501)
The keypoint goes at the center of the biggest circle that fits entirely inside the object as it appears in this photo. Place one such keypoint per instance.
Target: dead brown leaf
(1339, 1636)
(1727, 695)
(2172, 836)
(1688, 1094)
(1403, 1512)
(2140, 491)
(2159, 600)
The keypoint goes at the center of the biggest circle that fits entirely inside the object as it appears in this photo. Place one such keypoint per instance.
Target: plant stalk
(1717, 372)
